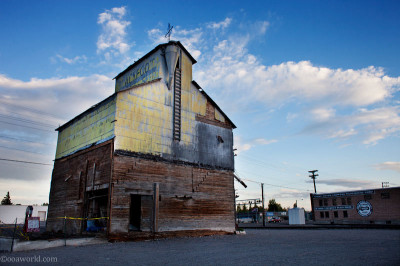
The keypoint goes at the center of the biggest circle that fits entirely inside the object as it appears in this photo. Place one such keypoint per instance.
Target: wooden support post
(156, 195)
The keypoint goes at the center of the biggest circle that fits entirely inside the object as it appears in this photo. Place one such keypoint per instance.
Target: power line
(18, 161)
(257, 182)
(27, 121)
(24, 140)
(9, 148)
(26, 126)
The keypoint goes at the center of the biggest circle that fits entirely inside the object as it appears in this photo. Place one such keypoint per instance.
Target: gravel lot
(257, 247)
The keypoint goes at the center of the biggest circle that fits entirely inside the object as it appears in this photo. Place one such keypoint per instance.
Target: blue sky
(309, 84)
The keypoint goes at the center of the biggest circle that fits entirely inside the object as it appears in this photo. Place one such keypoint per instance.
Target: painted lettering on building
(146, 71)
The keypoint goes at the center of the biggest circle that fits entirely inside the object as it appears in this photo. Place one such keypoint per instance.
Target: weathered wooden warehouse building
(157, 155)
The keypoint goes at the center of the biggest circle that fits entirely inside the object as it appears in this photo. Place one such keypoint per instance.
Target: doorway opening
(135, 215)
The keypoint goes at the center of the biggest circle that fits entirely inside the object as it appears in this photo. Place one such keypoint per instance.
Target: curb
(45, 244)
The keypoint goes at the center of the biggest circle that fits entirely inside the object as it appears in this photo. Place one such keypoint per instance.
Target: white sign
(364, 208)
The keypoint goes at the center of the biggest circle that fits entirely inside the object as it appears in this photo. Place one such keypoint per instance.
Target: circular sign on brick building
(364, 208)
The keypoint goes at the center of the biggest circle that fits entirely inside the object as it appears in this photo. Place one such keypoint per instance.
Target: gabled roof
(153, 51)
(212, 102)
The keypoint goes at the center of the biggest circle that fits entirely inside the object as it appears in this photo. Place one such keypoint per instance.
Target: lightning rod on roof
(169, 31)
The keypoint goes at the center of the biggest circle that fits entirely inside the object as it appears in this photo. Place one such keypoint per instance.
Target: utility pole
(262, 198)
(313, 176)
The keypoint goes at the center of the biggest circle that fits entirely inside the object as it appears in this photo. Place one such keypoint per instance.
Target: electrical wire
(19, 161)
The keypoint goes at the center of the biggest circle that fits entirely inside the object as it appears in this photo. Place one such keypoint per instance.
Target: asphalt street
(257, 247)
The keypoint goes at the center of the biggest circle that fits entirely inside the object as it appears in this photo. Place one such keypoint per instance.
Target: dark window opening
(367, 197)
(135, 213)
(321, 214)
(348, 201)
(320, 203)
(385, 195)
(343, 201)
(325, 202)
(334, 202)
(335, 214)
(345, 215)
(326, 214)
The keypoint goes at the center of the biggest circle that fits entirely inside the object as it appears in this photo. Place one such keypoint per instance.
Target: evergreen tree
(6, 200)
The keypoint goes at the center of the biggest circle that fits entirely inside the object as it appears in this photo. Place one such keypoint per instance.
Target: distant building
(8, 213)
(157, 155)
(374, 206)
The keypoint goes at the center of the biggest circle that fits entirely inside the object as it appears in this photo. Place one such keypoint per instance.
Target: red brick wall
(383, 209)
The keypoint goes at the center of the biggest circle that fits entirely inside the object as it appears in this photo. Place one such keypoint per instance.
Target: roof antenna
(169, 31)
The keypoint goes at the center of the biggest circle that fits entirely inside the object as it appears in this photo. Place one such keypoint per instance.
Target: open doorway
(135, 213)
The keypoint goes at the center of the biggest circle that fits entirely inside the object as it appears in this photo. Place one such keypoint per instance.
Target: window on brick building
(334, 202)
(335, 213)
(326, 214)
(321, 214)
(385, 195)
(325, 202)
(348, 201)
(345, 215)
(367, 197)
(343, 201)
(320, 203)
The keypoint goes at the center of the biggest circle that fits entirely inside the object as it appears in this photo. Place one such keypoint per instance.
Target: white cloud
(62, 97)
(112, 40)
(220, 25)
(70, 61)
(394, 166)
(347, 183)
(323, 114)
(242, 145)
(371, 125)
(191, 39)
(231, 73)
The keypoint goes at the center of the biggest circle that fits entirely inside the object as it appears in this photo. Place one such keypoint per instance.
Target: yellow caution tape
(74, 218)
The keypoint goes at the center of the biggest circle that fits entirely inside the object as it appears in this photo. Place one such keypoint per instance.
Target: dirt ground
(257, 247)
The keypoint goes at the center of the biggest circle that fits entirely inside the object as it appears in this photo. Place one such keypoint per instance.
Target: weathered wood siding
(191, 198)
(70, 174)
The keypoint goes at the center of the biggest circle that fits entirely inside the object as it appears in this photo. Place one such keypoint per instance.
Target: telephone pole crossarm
(313, 176)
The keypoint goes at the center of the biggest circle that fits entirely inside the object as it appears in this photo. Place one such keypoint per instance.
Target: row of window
(335, 214)
(347, 201)
(344, 201)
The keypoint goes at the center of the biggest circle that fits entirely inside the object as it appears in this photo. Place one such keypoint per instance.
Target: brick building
(157, 155)
(380, 206)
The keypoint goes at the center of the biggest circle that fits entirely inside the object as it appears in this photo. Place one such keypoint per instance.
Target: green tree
(45, 204)
(6, 200)
(273, 206)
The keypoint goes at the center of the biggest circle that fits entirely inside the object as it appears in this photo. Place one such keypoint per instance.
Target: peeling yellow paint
(92, 127)
(144, 119)
(219, 116)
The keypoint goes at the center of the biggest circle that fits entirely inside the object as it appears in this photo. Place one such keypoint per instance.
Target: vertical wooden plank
(156, 195)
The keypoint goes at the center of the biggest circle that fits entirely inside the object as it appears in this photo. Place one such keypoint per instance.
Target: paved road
(257, 247)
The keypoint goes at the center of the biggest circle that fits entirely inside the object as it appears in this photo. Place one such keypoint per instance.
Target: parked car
(275, 220)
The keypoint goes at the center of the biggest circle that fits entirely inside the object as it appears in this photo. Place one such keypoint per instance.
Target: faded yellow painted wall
(93, 127)
(192, 103)
(144, 119)
(146, 71)
(219, 116)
